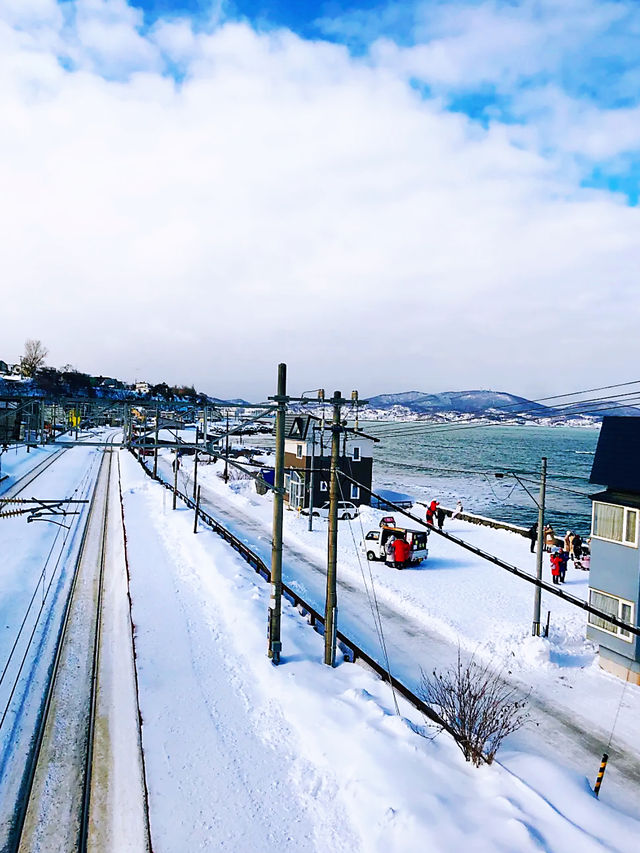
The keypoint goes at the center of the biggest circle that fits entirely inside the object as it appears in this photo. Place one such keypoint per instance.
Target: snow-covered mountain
(489, 405)
(463, 402)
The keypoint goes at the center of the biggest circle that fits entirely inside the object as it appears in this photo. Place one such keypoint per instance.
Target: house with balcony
(307, 460)
(614, 582)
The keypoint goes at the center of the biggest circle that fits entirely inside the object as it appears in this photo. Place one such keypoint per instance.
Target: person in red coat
(431, 511)
(401, 552)
(556, 564)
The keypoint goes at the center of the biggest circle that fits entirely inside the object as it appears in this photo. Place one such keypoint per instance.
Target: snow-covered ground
(243, 755)
(461, 599)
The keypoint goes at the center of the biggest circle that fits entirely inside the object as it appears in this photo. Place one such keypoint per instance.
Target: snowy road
(556, 732)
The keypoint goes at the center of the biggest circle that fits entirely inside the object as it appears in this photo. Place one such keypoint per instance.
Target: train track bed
(76, 790)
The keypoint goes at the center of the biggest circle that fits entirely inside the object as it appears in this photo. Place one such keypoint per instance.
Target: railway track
(64, 770)
(23, 482)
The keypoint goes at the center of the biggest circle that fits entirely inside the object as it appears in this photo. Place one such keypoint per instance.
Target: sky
(386, 196)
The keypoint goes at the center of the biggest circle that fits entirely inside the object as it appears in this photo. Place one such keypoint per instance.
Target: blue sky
(233, 173)
(583, 51)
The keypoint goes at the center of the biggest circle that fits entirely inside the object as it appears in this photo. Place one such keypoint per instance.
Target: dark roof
(617, 498)
(298, 426)
(617, 460)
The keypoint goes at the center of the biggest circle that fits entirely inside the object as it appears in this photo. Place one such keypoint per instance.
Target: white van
(345, 510)
(374, 543)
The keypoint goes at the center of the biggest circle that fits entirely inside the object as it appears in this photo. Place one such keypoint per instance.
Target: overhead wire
(373, 605)
(534, 407)
(430, 428)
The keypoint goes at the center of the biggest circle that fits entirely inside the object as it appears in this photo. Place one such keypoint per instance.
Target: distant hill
(494, 404)
(464, 402)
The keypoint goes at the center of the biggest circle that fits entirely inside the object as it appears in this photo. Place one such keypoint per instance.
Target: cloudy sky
(386, 196)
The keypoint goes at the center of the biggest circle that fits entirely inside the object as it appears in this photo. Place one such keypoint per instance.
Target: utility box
(614, 581)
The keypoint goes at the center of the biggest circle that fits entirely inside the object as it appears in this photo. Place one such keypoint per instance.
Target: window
(356, 454)
(299, 451)
(615, 523)
(355, 492)
(323, 486)
(614, 606)
(373, 534)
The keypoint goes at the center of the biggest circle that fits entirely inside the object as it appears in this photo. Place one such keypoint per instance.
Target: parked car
(345, 510)
(374, 543)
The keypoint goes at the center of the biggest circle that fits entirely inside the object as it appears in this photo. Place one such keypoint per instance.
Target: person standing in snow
(440, 515)
(556, 561)
(533, 535)
(401, 552)
(390, 552)
(577, 546)
(458, 510)
(564, 559)
(568, 539)
(431, 511)
(549, 537)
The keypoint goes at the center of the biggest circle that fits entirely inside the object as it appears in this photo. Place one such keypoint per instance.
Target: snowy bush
(476, 705)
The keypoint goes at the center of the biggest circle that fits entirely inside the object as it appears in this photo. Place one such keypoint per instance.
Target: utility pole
(195, 475)
(155, 450)
(331, 605)
(197, 512)
(275, 602)
(226, 452)
(176, 463)
(535, 630)
(312, 478)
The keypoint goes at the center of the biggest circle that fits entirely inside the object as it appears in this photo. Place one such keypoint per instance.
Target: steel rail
(32, 475)
(22, 806)
(15, 838)
(93, 699)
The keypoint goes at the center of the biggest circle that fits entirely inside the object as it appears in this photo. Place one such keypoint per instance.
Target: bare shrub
(476, 706)
(234, 474)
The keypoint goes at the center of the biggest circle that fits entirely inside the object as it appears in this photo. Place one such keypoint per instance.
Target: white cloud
(288, 202)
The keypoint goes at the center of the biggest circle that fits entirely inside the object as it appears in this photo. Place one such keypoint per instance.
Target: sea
(459, 462)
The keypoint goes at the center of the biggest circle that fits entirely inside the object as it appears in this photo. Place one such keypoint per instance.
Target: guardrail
(353, 653)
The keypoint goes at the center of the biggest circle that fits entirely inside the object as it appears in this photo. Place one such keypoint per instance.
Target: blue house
(614, 582)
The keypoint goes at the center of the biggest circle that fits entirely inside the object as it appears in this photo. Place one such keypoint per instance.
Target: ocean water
(433, 463)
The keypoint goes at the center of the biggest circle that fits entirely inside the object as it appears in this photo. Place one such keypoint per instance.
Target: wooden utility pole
(275, 601)
(312, 476)
(331, 604)
(195, 474)
(535, 629)
(155, 450)
(226, 451)
(176, 464)
(197, 512)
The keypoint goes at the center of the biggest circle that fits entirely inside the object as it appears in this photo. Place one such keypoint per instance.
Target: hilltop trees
(35, 353)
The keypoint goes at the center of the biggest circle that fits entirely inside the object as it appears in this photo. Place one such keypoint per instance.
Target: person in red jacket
(401, 550)
(556, 564)
(431, 511)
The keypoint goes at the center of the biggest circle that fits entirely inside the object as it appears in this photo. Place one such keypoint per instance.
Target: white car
(345, 510)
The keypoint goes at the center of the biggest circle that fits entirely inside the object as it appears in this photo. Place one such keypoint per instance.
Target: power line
(508, 406)
(456, 426)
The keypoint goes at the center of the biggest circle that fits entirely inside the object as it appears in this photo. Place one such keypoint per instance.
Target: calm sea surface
(429, 463)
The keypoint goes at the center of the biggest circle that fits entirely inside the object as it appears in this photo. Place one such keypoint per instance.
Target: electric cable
(377, 617)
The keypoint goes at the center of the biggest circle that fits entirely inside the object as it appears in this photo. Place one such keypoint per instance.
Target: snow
(244, 755)
(456, 598)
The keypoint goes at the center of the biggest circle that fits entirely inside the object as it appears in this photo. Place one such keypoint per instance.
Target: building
(142, 387)
(307, 458)
(614, 582)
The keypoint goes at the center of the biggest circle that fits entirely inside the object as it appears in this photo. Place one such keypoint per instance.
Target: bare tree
(476, 705)
(35, 353)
